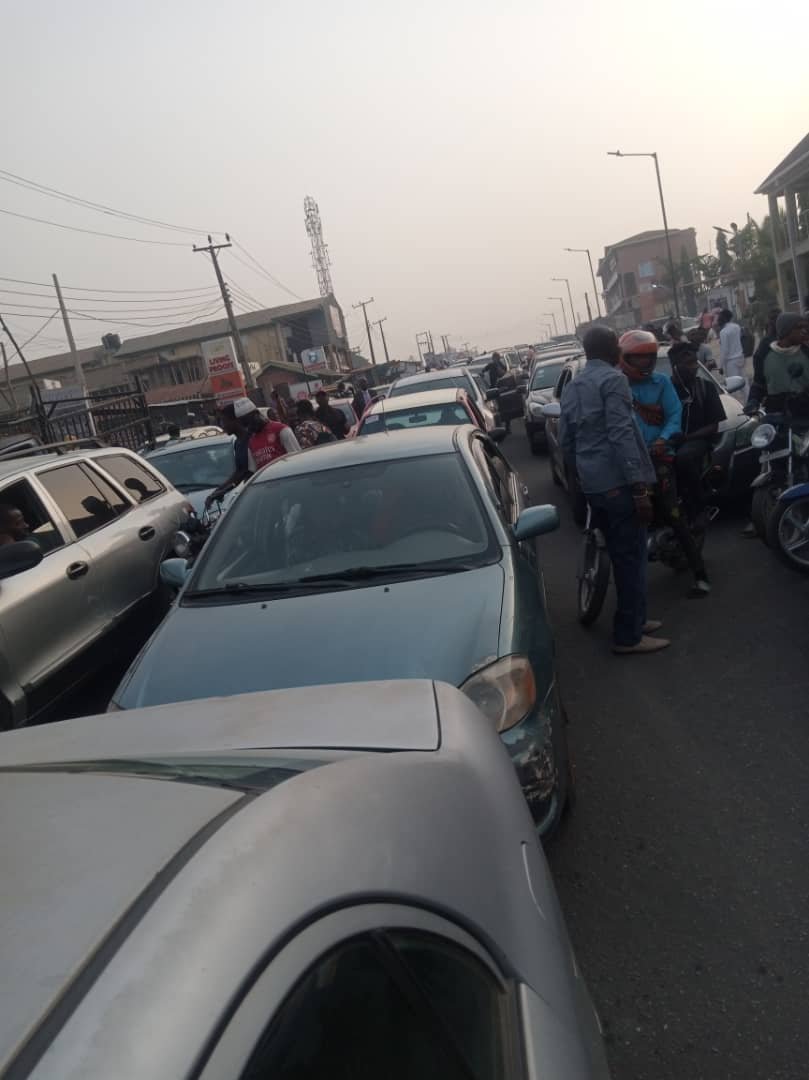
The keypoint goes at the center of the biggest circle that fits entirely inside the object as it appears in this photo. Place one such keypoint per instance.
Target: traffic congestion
(331, 605)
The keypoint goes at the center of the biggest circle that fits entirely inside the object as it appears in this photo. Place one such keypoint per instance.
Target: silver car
(325, 882)
(461, 377)
(92, 527)
(197, 467)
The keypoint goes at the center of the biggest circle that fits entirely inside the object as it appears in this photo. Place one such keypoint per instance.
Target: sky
(454, 149)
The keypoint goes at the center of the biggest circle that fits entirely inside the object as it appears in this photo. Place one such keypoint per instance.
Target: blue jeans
(614, 514)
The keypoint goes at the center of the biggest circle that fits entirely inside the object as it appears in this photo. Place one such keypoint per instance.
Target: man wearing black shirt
(233, 425)
(333, 418)
(702, 414)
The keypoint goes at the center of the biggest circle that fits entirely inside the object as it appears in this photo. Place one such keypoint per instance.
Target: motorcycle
(784, 460)
(191, 538)
(788, 526)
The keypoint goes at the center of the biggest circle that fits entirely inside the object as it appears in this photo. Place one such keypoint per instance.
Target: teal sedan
(399, 555)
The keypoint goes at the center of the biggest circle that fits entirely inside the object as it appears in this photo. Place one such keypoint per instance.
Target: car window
(433, 416)
(497, 476)
(141, 484)
(87, 501)
(198, 467)
(21, 496)
(545, 376)
(369, 516)
(402, 1006)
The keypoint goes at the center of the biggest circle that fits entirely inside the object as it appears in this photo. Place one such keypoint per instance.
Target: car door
(97, 515)
(552, 422)
(48, 615)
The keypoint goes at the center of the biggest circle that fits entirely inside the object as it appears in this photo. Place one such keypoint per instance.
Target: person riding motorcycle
(781, 373)
(658, 412)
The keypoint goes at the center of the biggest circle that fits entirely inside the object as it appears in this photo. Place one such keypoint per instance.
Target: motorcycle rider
(658, 412)
(781, 375)
(702, 414)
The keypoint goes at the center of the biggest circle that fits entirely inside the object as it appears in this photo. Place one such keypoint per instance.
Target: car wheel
(788, 533)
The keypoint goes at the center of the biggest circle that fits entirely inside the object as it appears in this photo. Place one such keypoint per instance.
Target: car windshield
(416, 386)
(421, 514)
(436, 415)
(203, 465)
(545, 377)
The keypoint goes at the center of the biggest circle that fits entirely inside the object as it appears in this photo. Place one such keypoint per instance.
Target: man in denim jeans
(598, 432)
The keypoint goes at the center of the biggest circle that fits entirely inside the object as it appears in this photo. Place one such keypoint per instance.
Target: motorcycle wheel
(788, 533)
(594, 577)
(763, 504)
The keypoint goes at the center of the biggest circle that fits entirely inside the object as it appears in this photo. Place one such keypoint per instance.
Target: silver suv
(82, 535)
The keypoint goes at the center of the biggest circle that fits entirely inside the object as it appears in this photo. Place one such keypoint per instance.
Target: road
(683, 872)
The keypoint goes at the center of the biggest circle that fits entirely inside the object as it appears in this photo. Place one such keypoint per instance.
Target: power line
(86, 288)
(93, 232)
(106, 300)
(264, 270)
(36, 333)
(146, 325)
(55, 193)
(124, 312)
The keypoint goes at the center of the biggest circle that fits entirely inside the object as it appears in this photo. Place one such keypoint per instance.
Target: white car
(430, 408)
(460, 377)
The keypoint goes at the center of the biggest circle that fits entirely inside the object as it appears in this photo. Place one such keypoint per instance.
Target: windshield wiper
(363, 573)
(194, 487)
(240, 588)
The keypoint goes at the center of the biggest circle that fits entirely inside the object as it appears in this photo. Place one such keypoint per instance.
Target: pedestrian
(698, 337)
(327, 414)
(268, 439)
(173, 432)
(674, 331)
(233, 425)
(706, 321)
(495, 369)
(309, 431)
(731, 352)
(279, 406)
(600, 438)
(362, 398)
(702, 414)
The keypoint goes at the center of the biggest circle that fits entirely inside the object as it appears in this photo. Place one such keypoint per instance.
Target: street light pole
(552, 314)
(564, 313)
(653, 156)
(586, 251)
(569, 299)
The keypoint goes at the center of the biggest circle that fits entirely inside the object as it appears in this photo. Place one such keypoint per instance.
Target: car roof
(118, 880)
(17, 465)
(453, 372)
(384, 446)
(447, 396)
(179, 445)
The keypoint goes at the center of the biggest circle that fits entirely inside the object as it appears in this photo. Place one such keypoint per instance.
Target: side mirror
(22, 555)
(535, 521)
(553, 410)
(493, 394)
(173, 572)
(497, 434)
(734, 383)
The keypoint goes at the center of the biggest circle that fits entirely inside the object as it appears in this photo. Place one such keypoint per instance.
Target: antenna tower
(320, 252)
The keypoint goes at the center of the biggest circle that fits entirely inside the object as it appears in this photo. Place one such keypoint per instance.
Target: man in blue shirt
(658, 412)
(598, 433)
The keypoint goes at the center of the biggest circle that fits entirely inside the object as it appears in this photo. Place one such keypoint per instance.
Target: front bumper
(532, 744)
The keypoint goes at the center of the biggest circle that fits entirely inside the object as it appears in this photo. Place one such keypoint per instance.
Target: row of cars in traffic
(232, 875)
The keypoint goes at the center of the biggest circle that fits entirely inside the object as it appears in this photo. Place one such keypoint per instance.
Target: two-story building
(787, 191)
(635, 277)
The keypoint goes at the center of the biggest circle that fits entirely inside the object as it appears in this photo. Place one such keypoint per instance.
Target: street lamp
(564, 313)
(552, 315)
(569, 298)
(586, 251)
(653, 156)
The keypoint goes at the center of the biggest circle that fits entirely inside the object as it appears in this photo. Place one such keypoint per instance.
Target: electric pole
(77, 368)
(212, 250)
(378, 322)
(364, 304)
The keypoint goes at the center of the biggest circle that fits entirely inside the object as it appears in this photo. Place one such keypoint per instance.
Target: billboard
(313, 358)
(227, 381)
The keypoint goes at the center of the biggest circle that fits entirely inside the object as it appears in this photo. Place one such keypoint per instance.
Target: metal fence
(116, 419)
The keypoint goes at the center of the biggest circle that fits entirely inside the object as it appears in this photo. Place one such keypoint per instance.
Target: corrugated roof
(794, 166)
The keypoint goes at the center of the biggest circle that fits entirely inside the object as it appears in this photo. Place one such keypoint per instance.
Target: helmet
(638, 343)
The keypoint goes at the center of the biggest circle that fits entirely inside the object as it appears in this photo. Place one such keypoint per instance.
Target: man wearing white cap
(269, 439)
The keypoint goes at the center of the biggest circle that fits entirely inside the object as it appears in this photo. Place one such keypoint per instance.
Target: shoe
(749, 531)
(700, 589)
(645, 645)
(651, 625)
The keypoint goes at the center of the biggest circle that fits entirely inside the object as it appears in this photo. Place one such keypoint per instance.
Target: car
(464, 377)
(202, 432)
(101, 522)
(347, 409)
(196, 467)
(544, 376)
(409, 412)
(734, 459)
(327, 881)
(410, 556)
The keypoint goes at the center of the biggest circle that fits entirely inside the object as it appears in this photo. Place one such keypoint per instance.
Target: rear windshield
(449, 383)
(434, 416)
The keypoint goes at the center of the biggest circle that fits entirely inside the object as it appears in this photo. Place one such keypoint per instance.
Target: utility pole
(8, 376)
(212, 249)
(71, 344)
(364, 304)
(35, 394)
(378, 322)
(423, 338)
(589, 312)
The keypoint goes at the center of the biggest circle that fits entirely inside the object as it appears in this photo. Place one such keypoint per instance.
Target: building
(281, 345)
(635, 275)
(787, 191)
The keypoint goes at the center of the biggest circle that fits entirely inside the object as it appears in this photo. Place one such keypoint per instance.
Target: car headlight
(763, 436)
(505, 691)
(182, 545)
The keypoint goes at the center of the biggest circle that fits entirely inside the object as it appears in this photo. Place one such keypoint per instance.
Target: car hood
(197, 499)
(435, 627)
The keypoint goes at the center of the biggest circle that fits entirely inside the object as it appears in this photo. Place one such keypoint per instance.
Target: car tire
(761, 510)
(778, 525)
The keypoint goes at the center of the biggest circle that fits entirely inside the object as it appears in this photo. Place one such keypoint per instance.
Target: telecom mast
(320, 252)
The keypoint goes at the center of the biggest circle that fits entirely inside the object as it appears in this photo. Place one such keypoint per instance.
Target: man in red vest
(269, 439)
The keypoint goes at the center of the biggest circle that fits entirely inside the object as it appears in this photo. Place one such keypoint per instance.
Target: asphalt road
(683, 871)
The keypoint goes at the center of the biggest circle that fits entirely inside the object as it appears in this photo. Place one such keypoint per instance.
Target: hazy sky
(454, 147)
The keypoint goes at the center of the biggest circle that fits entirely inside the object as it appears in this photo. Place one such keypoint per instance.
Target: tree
(723, 253)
